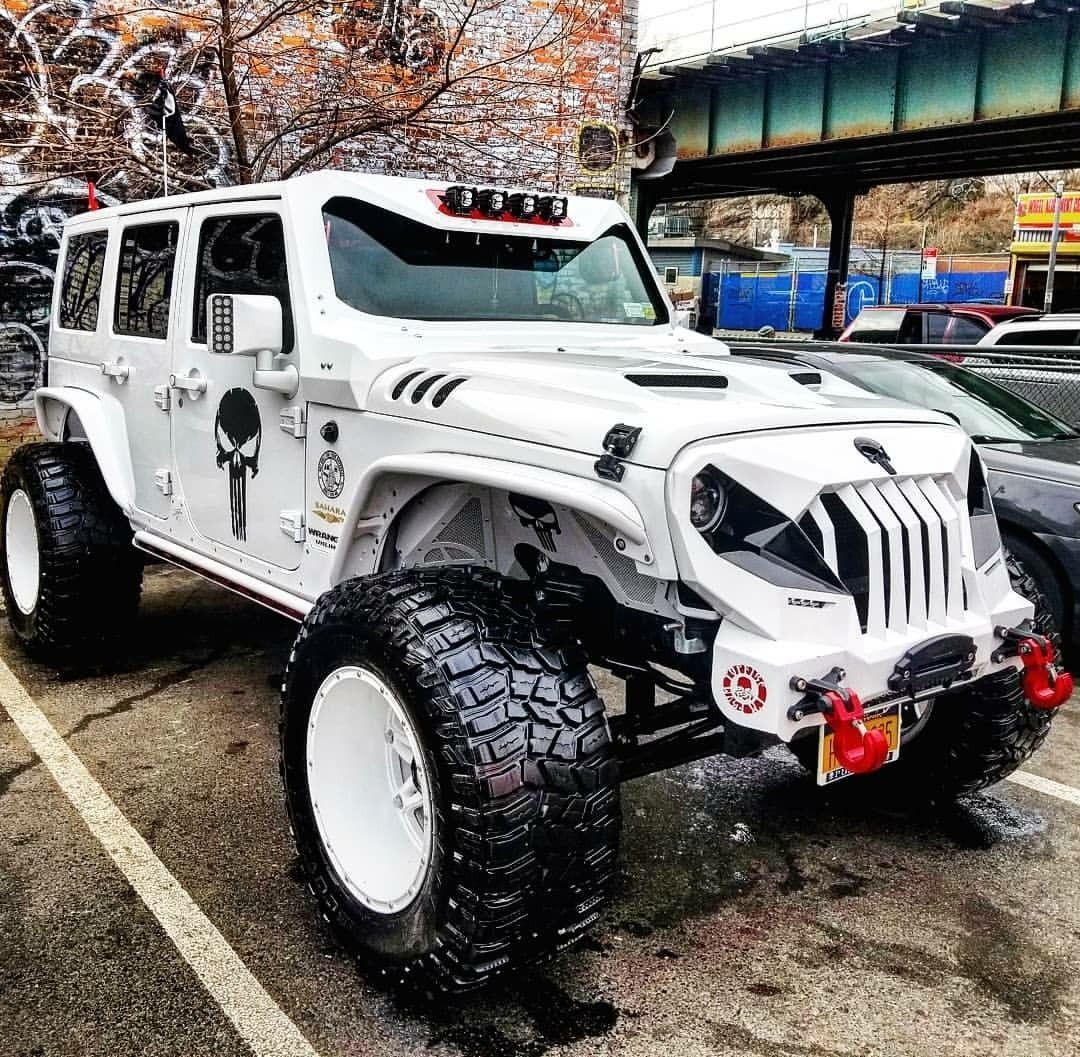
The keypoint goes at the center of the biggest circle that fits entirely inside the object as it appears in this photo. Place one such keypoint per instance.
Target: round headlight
(708, 501)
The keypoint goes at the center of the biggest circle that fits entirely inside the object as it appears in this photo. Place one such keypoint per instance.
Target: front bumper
(752, 674)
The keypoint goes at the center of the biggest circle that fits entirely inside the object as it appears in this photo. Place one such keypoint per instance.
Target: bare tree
(273, 87)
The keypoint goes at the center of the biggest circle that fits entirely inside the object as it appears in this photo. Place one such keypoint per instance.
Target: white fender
(102, 420)
(596, 498)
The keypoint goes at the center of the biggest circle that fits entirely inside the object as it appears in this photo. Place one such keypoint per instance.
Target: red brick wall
(526, 76)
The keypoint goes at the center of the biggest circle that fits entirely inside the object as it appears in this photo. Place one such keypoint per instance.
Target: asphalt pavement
(755, 915)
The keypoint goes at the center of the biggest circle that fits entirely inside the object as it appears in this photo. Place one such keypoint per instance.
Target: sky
(683, 26)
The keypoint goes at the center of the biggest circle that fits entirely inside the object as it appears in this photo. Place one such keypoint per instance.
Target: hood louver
(678, 381)
(416, 385)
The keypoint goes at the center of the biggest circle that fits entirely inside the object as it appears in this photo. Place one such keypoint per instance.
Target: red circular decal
(745, 689)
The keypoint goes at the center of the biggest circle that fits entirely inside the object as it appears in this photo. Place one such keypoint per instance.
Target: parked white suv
(1060, 330)
(453, 433)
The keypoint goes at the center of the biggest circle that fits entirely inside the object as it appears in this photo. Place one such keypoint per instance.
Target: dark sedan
(1033, 458)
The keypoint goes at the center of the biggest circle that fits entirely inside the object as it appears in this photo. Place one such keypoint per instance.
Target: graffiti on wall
(76, 77)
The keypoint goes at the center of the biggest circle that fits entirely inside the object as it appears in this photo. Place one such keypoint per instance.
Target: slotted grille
(896, 546)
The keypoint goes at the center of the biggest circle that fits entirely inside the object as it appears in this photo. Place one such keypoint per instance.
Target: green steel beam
(917, 79)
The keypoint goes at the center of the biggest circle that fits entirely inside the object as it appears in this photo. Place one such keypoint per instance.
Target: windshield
(388, 265)
(987, 412)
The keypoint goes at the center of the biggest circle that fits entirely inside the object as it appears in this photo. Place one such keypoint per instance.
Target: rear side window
(144, 280)
(966, 331)
(1038, 337)
(80, 291)
(242, 255)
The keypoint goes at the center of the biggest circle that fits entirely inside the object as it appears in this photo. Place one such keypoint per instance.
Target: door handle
(115, 369)
(189, 383)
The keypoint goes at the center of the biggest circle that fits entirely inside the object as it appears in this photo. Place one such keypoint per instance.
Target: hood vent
(417, 384)
(679, 381)
(807, 378)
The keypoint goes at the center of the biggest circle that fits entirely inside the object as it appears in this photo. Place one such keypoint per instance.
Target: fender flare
(102, 420)
(595, 498)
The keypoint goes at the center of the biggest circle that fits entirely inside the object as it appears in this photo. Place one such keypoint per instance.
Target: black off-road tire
(524, 777)
(1036, 568)
(974, 737)
(90, 575)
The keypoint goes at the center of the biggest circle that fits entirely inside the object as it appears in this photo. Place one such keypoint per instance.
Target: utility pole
(1059, 191)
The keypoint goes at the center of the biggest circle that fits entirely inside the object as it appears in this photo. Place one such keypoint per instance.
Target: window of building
(242, 255)
(80, 291)
(671, 275)
(144, 280)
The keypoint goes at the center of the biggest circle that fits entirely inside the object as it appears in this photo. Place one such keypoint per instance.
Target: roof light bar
(496, 204)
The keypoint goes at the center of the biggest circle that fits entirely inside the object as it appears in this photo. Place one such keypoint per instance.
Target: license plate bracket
(886, 719)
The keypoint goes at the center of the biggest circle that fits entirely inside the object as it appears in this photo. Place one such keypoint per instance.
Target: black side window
(242, 255)
(80, 293)
(1038, 337)
(144, 282)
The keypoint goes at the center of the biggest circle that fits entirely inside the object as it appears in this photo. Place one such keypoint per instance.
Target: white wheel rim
(21, 548)
(369, 789)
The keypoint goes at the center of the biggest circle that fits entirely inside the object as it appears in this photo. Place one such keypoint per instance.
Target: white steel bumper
(752, 674)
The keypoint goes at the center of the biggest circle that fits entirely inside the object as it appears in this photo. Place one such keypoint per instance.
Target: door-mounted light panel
(491, 203)
(221, 323)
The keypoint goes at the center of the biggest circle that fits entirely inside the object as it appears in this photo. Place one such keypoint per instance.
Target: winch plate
(938, 662)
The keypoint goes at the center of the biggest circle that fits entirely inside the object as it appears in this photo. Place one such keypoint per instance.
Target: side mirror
(251, 325)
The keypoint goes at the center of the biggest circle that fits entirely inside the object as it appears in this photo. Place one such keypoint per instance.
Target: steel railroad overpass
(962, 89)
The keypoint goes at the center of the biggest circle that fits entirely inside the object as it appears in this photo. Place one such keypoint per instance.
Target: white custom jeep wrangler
(453, 432)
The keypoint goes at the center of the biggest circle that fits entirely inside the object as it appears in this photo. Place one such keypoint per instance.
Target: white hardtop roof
(587, 217)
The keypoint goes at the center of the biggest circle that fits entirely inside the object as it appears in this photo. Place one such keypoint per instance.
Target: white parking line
(258, 1019)
(1047, 786)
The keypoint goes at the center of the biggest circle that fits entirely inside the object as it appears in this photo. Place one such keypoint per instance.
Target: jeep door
(125, 269)
(241, 474)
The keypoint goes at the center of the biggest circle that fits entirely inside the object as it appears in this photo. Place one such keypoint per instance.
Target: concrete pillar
(841, 207)
(643, 200)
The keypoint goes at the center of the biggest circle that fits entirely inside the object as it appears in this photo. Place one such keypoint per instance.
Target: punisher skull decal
(538, 515)
(238, 431)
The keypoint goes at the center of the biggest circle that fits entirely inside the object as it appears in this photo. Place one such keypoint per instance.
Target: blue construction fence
(750, 301)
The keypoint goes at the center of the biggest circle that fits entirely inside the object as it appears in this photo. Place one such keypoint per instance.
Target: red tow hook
(1044, 686)
(861, 751)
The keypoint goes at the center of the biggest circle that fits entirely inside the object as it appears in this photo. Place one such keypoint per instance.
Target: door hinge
(293, 420)
(162, 397)
(292, 524)
(163, 479)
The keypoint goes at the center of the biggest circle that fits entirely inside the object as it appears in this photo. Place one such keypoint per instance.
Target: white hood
(571, 396)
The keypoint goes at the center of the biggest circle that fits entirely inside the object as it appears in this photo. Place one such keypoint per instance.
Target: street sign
(929, 263)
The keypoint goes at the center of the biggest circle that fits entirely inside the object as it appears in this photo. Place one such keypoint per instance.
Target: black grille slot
(403, 384)
(852, 554)
(419, 392)
(444, 392)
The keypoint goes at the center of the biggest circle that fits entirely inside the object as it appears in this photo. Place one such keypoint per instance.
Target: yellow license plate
(831, 770)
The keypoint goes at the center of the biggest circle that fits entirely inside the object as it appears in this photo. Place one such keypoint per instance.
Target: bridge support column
(841, 207)
(643, 200)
